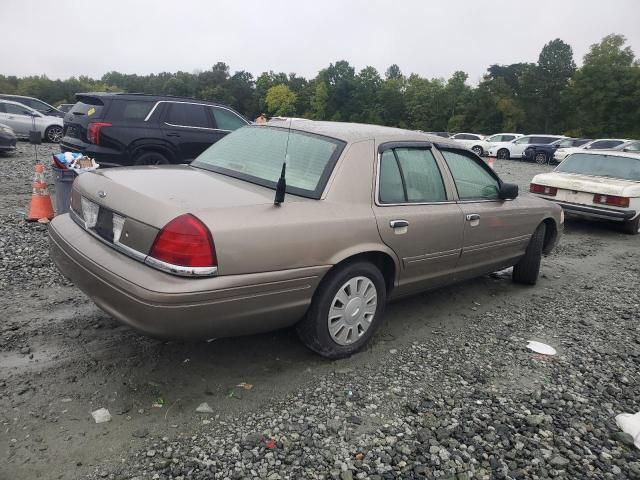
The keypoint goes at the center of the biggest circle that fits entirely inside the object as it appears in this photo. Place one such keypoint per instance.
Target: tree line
(599, 99)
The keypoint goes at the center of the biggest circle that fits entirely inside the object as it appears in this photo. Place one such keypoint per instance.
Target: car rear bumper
(588, 211)
(162, 305)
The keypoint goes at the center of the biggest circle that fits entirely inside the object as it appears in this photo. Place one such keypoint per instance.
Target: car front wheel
(503, 154)
(527, 269)
(345, 311)
(53, 134)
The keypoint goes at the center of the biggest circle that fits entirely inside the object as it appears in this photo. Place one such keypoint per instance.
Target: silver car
(23, 119)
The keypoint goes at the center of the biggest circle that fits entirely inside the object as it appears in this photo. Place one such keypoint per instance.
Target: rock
(559, 462)
(346, 475)
(624, 438)
(151, 453)
(140, 433)
(204, 408)
(101, 415)
(25, 350)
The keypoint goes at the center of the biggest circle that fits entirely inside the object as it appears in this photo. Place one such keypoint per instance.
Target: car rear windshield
(626, 168)
(256, 154)
(91, 107)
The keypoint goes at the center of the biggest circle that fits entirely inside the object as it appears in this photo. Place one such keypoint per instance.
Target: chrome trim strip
(146, 259)
(180, 270)
(197, 128)
(193, 103)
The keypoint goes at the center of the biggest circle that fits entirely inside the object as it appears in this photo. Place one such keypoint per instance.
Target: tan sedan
(370, 213)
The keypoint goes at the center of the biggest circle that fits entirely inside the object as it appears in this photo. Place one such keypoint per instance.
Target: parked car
(470, 140)
(210, 249)
(134, 129)
(23, 119)
(7, 139)
(543, 154)
(516, 148)
(488, 142)
(598, 144)
(65, 107)
(630, 146)
(43, 107)
(595, 184)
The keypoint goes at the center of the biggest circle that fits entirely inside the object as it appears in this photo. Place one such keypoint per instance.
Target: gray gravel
(447, 389)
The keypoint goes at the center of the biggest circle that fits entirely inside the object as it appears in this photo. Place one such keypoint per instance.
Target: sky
(66, 38)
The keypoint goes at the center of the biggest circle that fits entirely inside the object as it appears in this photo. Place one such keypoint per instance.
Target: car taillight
(185, 242)
(611, 200)
(93, 131)
(543, 189)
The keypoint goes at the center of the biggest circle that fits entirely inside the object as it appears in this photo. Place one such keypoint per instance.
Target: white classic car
(596, 184)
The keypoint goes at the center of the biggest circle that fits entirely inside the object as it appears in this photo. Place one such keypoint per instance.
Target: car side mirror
(508, 191)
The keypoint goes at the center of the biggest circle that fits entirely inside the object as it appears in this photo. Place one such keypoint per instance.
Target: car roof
(145, 97)
(612, 153)
(355, 132)
(16, 103)
(11, 95)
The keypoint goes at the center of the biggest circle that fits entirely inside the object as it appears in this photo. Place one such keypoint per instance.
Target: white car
(488, 142)
(598, 144)
(470, 140)
(23, 119)
(595, 184)
(516, 148)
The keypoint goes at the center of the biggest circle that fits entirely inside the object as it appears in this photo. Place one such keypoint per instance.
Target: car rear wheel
(345, 310)
(151, 158)
(541, 158)
(477, 150)
(503, 154)
(53, 134)
(632, 226)
(527, 269)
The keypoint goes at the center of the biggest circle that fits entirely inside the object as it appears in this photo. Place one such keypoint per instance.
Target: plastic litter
(541, 348)
(630, 423)
(246, 386)
(204, 408)
(74, 161)
(158, 403)
(101, 415)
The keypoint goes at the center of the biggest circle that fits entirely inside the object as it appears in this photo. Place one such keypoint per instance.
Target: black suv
(135, 129)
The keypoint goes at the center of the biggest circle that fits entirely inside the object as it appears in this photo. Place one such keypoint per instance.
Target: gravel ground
(446, 390)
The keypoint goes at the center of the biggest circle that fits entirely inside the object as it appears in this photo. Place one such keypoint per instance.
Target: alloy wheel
(54, 134)
(352, 310)
(541, 158)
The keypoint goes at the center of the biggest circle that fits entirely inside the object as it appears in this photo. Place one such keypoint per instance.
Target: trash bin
(63, 180)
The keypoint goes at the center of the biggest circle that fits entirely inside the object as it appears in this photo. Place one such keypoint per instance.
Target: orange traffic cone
(491, 161)
(41, 206)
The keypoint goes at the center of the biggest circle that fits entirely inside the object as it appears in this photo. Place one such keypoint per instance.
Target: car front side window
(16, 109)
(410, 175)
(472, 180)
(226, 120)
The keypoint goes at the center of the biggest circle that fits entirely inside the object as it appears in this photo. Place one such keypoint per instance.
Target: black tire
(477, 150)
(527, 269)
(313, 329)
(151, 158)
(632, 226)
(503, 154)
(541, 158)
(53, 134)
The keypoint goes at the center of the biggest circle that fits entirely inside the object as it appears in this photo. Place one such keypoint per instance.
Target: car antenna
(281, 186)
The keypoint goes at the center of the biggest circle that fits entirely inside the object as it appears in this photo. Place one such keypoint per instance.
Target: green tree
(319, 101)
(281, 101)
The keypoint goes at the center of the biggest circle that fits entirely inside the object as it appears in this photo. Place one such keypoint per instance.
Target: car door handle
(173, 134)
(472, 216)
(398, 223)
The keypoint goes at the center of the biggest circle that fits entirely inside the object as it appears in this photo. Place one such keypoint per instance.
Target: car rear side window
(507, 138)
(187, 115)
(91, 107)
(410, 175)
(226, 120)
(472, 180)
(130, 110)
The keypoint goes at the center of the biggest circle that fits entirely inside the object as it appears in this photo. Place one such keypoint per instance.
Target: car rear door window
(226, 120)
(130, 110)
(507, 138)
(410, 175)
(187, 115)
(523, 141)
(472, 180)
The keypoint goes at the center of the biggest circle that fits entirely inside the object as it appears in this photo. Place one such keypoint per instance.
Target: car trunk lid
(89, 108)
